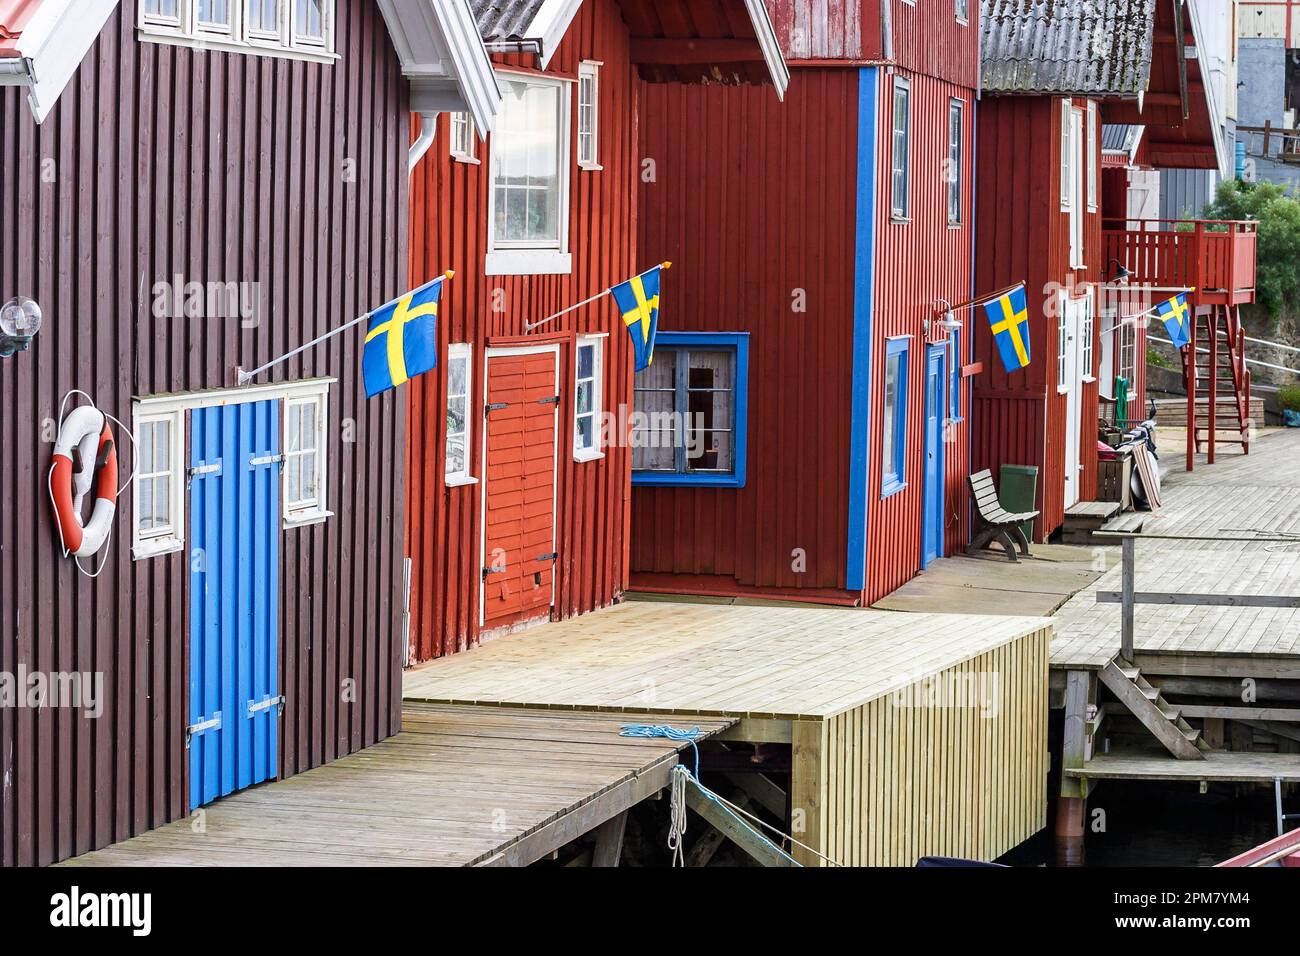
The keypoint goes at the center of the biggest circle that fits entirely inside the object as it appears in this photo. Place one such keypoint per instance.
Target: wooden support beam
(1076, 715)
(757, 730)
(1201, 600)
(762, 791)
(609, 841)
(1284, 714)
(808, 788)
(674, 52)
(760, 848)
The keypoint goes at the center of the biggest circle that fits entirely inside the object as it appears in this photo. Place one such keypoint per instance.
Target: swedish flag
(1177, 318)
(402, 339)
(1009, 318)
(638, 301)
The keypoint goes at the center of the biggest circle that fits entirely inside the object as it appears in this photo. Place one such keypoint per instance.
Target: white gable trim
(52, 46)
(770, 46)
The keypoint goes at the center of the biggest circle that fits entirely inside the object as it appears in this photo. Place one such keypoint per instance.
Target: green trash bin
(1017, 491)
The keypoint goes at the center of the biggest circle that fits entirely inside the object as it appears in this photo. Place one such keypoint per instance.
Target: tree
(1277, 253)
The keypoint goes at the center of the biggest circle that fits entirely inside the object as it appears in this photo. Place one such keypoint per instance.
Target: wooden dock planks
(458, 786)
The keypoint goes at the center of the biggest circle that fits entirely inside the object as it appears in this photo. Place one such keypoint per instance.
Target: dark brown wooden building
(187, 187)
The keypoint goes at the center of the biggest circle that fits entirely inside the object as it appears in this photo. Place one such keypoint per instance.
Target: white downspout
(428, 126)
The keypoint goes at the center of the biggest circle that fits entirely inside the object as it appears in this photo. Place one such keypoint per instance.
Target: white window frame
(597, 342)
(1066, 193)
(186, 30)
(146, 544)
(542, 259)
(1091, 146)
(900, 211)
(961, 10)
(462, 136)
(455, 479)
(954, 184)
(304, 511)
(589, 71)
(1063, 343)
(1076, 137)
(1088, 329)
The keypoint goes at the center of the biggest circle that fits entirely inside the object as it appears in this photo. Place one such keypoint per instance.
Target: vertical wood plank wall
(884, 784)
(449, 231)
(162, 160)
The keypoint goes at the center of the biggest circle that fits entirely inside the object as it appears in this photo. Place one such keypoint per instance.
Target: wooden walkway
(458, 786)
(1221, 766)
(1257, 493)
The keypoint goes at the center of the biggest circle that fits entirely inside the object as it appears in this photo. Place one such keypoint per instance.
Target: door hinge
(266, 703)
(202, 727)
(493, 406)
(260, 460)
(549, 556)
(201, 471)
(493, 570)
(549, 400)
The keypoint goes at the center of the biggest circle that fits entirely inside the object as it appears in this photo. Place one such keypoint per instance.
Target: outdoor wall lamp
(20, 320)
(1121, 274)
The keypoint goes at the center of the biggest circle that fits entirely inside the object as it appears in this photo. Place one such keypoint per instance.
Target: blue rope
(663, 730)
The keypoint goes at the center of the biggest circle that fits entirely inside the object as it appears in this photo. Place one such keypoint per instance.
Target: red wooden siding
(753, 204)
(917, 263)
(929, 39)
(1023, 235)
(222, 167)
(449, 231)
(827, 29)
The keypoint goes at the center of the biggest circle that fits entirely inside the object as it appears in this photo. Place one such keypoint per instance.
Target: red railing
(1215, 257)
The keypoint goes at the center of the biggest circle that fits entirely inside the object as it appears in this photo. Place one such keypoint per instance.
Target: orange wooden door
(519, 492)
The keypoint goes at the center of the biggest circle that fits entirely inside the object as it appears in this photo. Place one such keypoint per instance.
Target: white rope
(677, 815)
(1249, 361)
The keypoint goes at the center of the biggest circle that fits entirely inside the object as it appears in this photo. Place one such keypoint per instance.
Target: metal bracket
(266, 703)
(492, 406)
(202, 727)
(258, 462)
(549, 400)
(549, 556)
(201, 471)
(492, 570)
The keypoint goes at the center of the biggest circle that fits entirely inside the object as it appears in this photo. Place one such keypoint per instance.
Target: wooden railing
(1215, 257)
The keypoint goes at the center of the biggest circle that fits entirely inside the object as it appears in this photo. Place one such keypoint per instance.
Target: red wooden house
(803, 348)
(518, 483)
(1053, 77)
(188, 186)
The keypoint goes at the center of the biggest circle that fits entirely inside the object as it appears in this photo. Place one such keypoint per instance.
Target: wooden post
(1268, 123)
(1212, 404)
(1071, 805)
(1189, 363)
(808, 788)
(1126, 619)
(609, 841)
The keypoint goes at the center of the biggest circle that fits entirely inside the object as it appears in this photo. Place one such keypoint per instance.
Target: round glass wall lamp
(20, 320)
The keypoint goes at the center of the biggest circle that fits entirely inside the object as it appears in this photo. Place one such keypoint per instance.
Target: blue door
(234, 493)
(932, 518)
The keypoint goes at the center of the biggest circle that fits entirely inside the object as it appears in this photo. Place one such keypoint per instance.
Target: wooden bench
(998, 524)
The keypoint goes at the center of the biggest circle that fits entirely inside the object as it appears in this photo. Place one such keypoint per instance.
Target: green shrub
(1289, 396)
(1156, 359)
(1277, 252)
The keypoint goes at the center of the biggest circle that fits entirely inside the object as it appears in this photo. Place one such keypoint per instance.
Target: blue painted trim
(892, 484)
(739, 341)
(969, 384)
(932, 523)
(864, 259)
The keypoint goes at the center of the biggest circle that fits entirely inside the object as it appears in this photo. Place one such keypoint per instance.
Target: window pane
(310, 20)
(309, 476)
(586, 360)
(584, 403)
(145, 517)
(586, 436)
(146, 440)
(456, 369)
(891, 415)
(263, 16)
(292, 429)
(215, 12)
(526, 154)
(162, 501)
(308, 437)
(455, 416)
(710, 451)
(455, 464)
(163, 8)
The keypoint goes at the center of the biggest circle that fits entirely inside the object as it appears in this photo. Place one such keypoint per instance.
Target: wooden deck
(910, 734)
(1217, 766)
(1241, 495)
(458, 786)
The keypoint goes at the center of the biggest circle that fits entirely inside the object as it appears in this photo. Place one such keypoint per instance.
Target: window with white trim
(588, 114)
(900, 158)
(528, 229)
(1076, 189)
(963, 10)
(460, 377)
(1091, 146)
(1063, 342)
(157, 484)
(587, 398)
(462, 138)
(302, 29)
(955, 111)
(1088, 331)
(1065, 154)
(304, 459)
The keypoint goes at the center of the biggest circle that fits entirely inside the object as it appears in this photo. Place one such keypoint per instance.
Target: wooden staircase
(1146, 703)
(1218, 383)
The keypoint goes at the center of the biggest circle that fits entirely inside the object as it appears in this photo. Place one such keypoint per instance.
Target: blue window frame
(894, 437)
(691, 410)
(954, 386)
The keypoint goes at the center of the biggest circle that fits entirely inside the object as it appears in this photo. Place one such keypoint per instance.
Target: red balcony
(1214, 257)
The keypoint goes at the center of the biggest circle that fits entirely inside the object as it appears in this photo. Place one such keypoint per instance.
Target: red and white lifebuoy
(84, 456)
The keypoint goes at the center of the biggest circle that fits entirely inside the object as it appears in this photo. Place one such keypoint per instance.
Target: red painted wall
(1023, 235)
(449, 231)
(917, 263)
(753, 204)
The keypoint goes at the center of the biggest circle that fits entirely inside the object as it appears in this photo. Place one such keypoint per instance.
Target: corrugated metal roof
(1119, 137)
(1067, 46)
(505, 19)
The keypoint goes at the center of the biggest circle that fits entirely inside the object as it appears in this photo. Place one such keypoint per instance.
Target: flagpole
(529, 326)
(243, 378)
(982, 298)
(1140, 315)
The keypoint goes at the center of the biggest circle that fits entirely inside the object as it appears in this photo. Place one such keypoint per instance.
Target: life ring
(84, 455)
